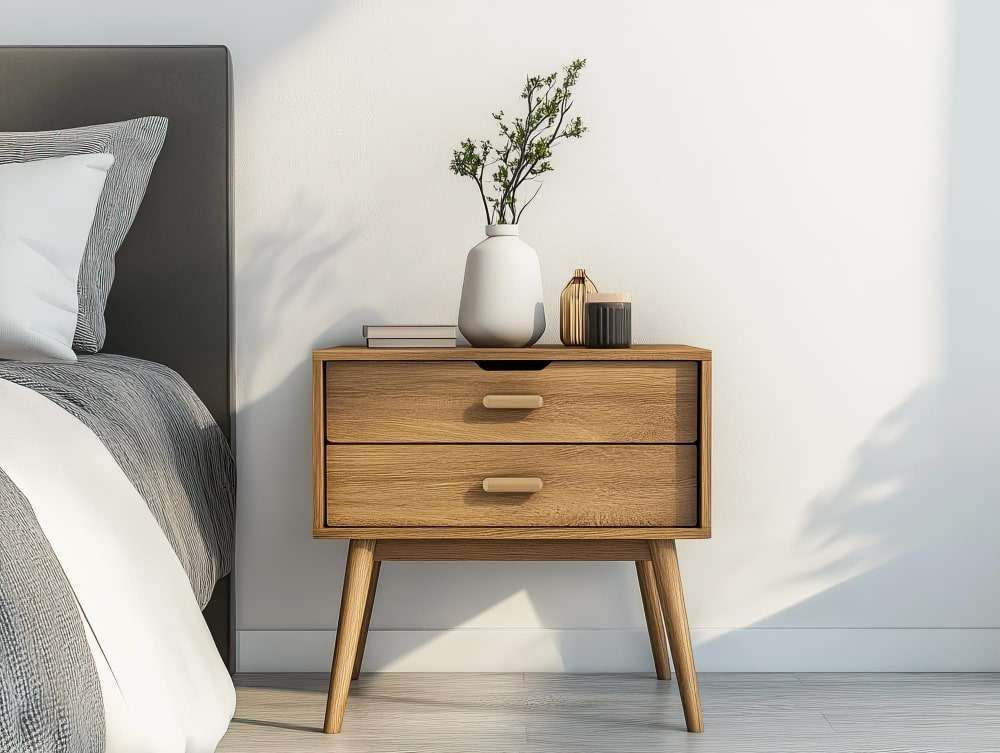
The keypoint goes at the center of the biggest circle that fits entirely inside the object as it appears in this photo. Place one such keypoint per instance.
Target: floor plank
(551, 713)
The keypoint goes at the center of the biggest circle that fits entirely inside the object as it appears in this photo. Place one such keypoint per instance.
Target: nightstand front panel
(581, 485)
(585, 402)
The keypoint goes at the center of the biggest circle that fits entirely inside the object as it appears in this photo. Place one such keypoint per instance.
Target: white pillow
(46, 210)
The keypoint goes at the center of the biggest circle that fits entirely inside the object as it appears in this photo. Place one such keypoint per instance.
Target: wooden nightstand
(543, 453)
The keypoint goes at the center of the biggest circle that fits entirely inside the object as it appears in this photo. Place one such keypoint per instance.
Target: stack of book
(409, 336)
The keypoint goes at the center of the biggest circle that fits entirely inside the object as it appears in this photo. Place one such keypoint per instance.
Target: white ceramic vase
(502, 292)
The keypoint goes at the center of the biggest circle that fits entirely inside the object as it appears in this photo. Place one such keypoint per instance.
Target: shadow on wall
(285, 295)
(920, 506)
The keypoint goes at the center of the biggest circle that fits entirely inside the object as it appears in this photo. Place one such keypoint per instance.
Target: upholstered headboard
(170, 301)
(171, 297)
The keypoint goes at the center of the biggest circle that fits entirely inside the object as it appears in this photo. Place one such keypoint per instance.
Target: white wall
(807, 188)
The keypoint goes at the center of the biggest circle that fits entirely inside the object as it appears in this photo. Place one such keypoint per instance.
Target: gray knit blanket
(173, 452)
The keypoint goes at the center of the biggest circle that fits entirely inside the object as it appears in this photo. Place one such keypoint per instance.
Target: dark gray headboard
(170, 301)
(171, 297)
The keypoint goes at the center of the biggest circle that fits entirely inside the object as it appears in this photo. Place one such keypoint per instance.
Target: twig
(482, 193)
(525, 206)
(527, 144)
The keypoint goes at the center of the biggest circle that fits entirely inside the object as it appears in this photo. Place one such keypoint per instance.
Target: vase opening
(494, 230)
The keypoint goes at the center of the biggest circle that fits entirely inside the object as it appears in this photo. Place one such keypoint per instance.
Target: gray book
(411, 342)
(422, 331)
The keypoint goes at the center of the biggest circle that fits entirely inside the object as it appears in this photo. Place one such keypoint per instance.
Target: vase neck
(495, 230)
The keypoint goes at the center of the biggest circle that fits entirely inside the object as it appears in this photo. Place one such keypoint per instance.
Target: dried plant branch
(526, 144)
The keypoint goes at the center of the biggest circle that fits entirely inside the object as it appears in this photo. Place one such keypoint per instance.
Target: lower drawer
(580, 485)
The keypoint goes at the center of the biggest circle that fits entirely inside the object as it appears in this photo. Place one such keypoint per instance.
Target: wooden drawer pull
(512, 485)
(513, 402)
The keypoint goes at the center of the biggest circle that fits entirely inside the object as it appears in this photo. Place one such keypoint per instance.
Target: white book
(382, 332)
(411, 342)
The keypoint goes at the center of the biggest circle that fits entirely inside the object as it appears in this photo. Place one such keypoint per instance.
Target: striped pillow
(135, 145)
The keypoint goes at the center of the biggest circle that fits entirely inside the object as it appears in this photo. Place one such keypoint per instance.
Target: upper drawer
(645, 401)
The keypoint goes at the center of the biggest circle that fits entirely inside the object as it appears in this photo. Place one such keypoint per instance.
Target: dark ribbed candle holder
(609, 320)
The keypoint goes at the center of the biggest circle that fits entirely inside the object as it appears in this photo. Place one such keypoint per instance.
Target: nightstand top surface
(534, 353)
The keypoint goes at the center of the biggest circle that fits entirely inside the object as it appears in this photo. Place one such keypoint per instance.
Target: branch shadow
(918, 509)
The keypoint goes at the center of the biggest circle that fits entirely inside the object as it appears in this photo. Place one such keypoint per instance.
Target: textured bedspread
(174, 454)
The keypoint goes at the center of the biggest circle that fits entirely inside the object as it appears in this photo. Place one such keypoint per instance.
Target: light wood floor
(744, 713)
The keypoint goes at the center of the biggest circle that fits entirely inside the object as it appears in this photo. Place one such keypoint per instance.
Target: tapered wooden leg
(654, 618)
(357, 577)
(668, 581)
(363, 638)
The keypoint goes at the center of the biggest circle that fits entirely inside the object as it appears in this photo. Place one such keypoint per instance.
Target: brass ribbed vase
(573, 309)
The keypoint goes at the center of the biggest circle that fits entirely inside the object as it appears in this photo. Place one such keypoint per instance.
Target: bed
(157, 397)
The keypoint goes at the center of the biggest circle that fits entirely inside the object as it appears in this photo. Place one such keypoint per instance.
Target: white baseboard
(716, 650)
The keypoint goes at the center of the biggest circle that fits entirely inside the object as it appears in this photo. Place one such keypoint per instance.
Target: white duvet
(164, 685)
